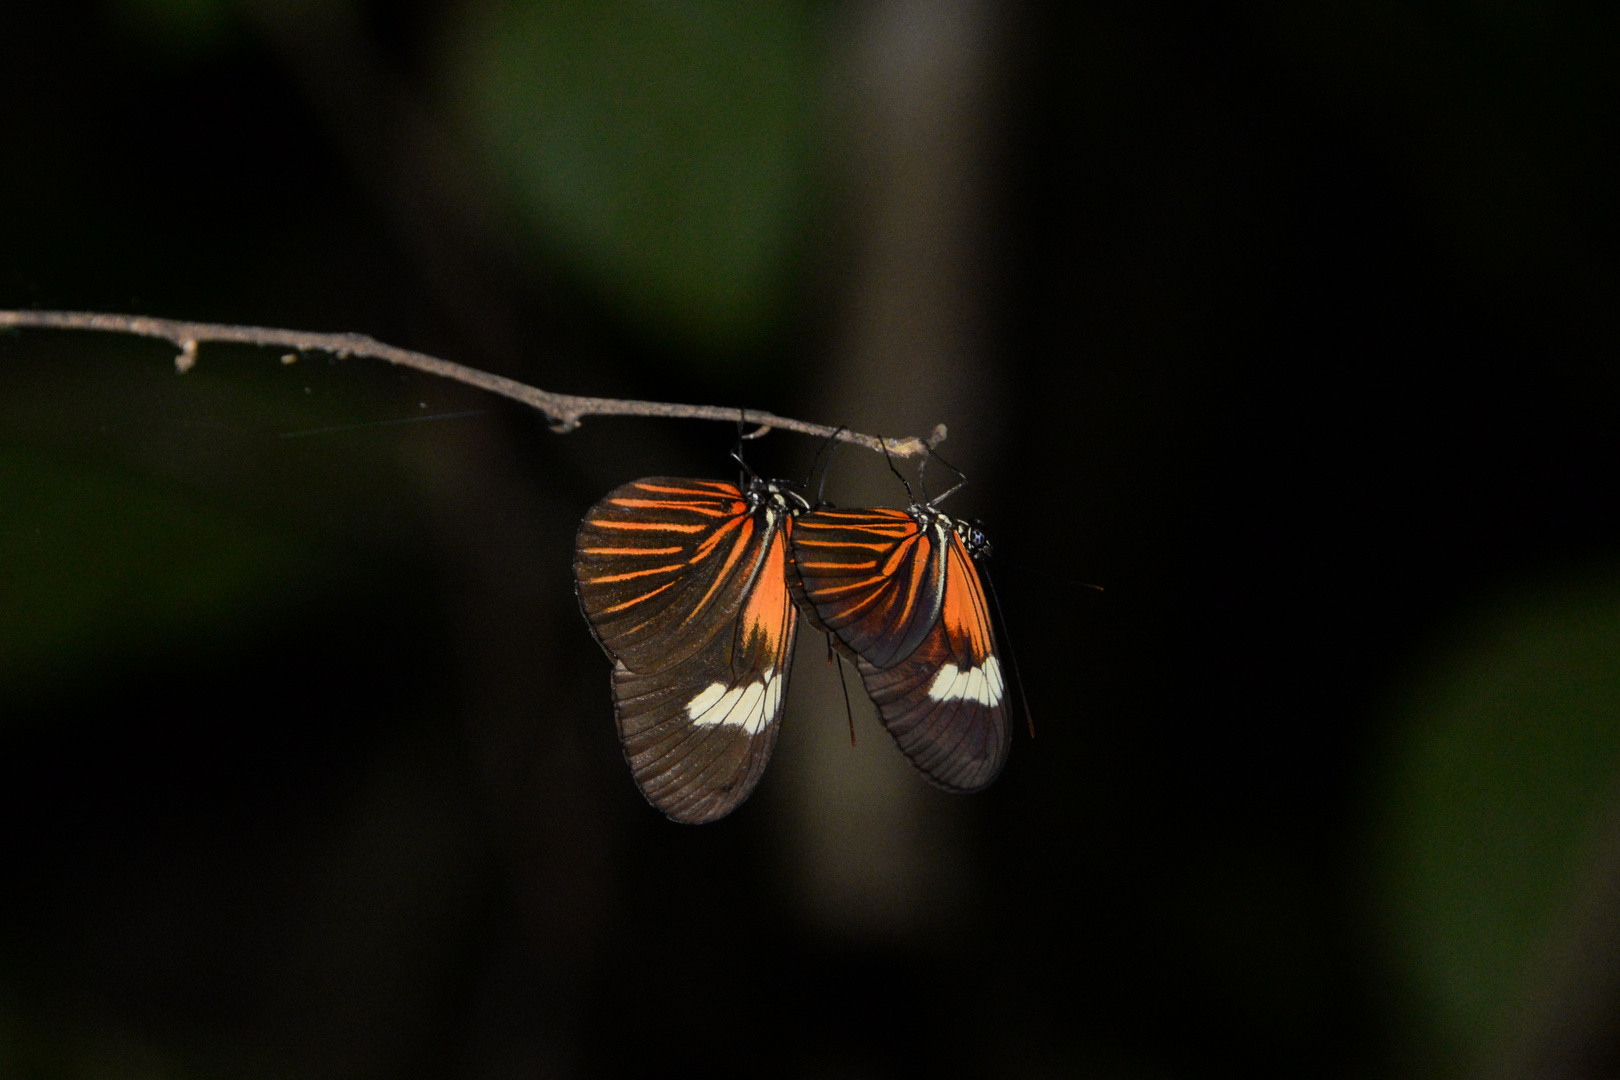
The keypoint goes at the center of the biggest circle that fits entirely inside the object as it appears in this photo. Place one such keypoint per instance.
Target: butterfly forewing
(701, 636)
(871, 577)
(661, 564)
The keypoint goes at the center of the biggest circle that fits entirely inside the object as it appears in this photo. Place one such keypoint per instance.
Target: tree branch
(564, 411)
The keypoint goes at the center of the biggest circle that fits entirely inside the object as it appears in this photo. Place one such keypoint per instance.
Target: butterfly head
(973, 538)
(777, 496)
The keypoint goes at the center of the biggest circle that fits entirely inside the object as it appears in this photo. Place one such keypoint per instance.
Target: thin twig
(564, 411)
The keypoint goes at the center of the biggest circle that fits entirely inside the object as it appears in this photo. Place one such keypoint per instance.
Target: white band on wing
(750, 706)
(982, 684)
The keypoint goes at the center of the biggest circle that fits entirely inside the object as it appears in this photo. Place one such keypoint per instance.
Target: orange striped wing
(946, 702)
(684, 584)
(871, 577)
(661, 565)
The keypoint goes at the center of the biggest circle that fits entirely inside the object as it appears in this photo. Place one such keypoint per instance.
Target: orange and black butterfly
(684, 584)
(899, 592)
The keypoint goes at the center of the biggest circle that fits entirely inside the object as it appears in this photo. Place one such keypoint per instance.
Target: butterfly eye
(971, 533)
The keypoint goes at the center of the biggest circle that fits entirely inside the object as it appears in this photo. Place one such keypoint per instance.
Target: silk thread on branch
(563, 411)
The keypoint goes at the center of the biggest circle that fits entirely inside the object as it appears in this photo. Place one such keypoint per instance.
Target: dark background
(1292, 325)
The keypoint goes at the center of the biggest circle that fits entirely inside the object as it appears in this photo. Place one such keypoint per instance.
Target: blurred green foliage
(658, 153)
(102, 565)
(174, 26)
(1503, 772)
(660, 149)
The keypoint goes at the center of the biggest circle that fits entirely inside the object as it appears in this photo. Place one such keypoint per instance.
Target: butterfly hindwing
(700, 627)
(699, 732)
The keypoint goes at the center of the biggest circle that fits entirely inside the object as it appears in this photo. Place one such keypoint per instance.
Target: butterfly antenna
(830, 447)
(746, 474)
(1012, 655)
(821, 488)
(932, 453)
(885, 444)
(832, 658)
(937, 456)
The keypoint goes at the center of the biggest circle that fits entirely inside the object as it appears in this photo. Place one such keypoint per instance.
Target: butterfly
(898, 592)
(684, 584)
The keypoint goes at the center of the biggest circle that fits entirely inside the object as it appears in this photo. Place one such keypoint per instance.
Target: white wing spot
(705, 700)
(982, 684)
(750, 706)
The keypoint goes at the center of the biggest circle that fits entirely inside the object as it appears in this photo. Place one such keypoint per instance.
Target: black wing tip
(965, 787)
(706, 816)
(968, 763)
(686, 806)
(693, 784)
(955, 772)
